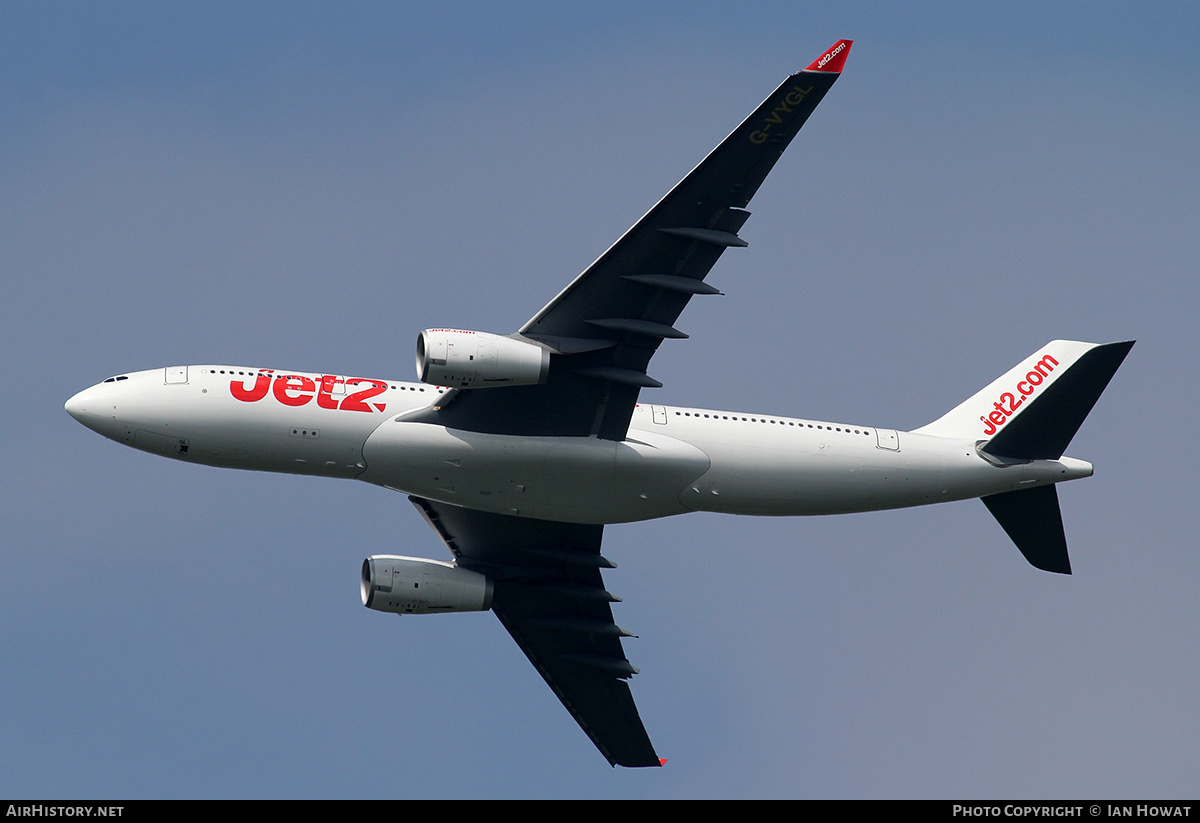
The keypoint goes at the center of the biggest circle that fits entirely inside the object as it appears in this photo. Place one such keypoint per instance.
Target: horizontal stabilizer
(1032, 519)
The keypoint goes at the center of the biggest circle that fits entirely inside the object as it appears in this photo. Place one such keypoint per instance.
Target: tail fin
(1031, 413)
(1033, 410)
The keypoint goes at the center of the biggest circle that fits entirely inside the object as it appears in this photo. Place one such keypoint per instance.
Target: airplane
(519, 449)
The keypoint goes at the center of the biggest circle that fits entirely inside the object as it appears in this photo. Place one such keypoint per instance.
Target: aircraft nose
(77, 406)
(89, 408)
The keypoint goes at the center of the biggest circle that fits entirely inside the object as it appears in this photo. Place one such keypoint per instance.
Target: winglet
(833, 59)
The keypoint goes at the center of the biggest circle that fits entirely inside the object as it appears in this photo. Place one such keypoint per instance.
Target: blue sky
(307, 186)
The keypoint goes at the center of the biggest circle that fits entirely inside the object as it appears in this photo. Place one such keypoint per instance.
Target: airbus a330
(518, 449)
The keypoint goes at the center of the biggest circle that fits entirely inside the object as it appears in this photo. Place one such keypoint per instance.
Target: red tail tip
(833, 59)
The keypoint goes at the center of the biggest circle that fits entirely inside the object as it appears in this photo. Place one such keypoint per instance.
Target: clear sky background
(307, 186)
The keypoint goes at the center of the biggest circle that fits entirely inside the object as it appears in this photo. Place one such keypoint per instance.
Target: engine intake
(413, 585)
(475, 359)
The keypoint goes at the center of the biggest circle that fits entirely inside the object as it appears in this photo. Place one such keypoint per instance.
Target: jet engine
(413, 585)
(475, 359)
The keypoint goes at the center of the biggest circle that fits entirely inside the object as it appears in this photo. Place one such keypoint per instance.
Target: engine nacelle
(413, 585)
(475, 359)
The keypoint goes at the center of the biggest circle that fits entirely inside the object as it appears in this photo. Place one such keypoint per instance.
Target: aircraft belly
(811, 477)
(570, 479)
(301, 448)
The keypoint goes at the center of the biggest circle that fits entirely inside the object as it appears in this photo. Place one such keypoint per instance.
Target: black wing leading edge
(602, 330)
(606, 325)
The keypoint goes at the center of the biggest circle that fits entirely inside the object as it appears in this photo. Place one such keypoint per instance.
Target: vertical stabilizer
(1044, 430)
(1033, 410)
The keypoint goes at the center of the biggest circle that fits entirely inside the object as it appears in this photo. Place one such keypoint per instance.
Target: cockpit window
(115, 379)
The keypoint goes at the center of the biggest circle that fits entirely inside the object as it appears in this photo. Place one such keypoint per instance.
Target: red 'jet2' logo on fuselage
(297, 390)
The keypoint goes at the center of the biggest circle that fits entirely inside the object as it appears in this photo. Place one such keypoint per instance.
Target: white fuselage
(674, 460)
